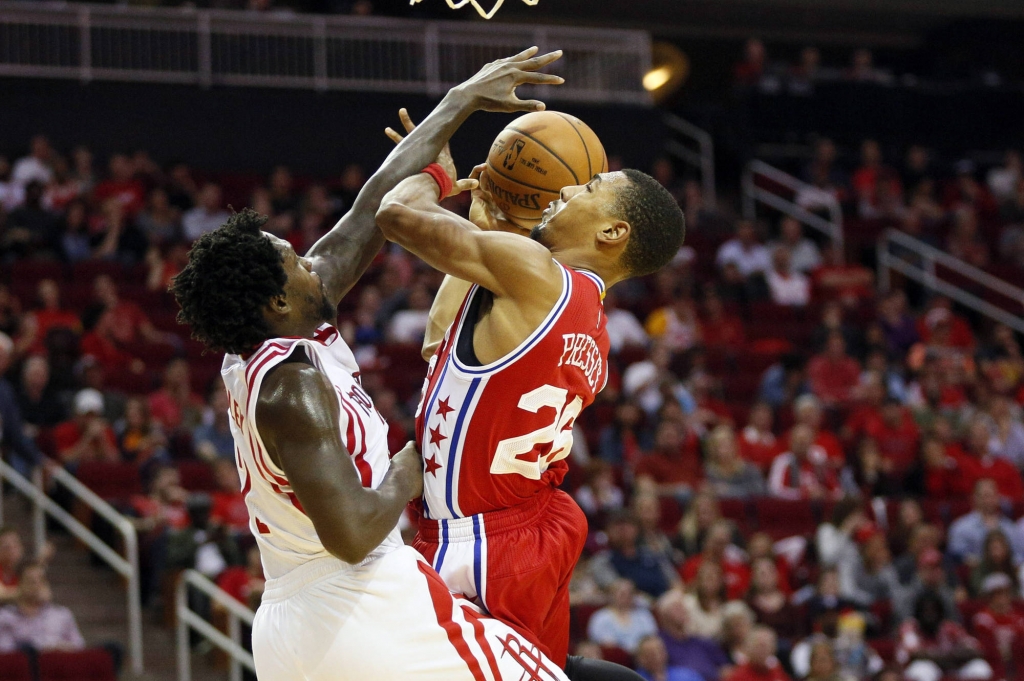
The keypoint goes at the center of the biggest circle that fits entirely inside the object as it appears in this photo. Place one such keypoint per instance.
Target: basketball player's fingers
(539, 62)
(477, 171)
(516, 104)
(406, 120)
(393, 136)
(464, 186)
(535, 78)
(525, 54)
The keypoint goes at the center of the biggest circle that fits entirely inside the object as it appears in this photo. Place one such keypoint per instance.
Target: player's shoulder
(288, 388)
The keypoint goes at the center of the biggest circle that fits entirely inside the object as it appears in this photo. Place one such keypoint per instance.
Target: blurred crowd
(791, 473)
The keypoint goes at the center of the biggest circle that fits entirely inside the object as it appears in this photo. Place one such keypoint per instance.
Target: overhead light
(669, 70)
(657, 77)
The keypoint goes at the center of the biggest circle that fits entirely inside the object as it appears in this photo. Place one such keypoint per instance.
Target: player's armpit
(443, 311)
(507, 265)
(298, 417)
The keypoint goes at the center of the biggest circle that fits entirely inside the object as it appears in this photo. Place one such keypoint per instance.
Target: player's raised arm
(298, 416)
(343, 254)
(507, 265)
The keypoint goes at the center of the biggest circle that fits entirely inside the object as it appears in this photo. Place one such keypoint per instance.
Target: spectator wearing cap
(87, 436)
(24, 453)
(940, 317)
(874, 577)
(626, 558)
(929, 578)
(12, 552)
(803, 472)
(999, 627)
(744, 251)
(624, 622)
(931, 645)
(653, 663)
(701, 655)
(967, 533)
(761, 663)
(833, 373)
(33, 620)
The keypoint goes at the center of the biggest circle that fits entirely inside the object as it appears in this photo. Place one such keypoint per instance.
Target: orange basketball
(534, 157)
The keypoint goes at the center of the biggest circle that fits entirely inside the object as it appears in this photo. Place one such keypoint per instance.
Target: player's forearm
(351, 245)
(407, 215)
(443, 311)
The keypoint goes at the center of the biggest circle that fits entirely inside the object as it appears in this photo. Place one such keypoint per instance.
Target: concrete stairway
(96, 595)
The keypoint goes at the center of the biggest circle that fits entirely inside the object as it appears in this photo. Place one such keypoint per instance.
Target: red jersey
(493, 436)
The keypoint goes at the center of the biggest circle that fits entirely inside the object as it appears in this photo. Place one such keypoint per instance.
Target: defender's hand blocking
(444, 159)
(493, 88)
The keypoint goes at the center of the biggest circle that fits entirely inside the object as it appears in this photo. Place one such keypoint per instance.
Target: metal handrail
(127, 566)
(925, 274)
(188, 619)
(833, 227)
(704, 160)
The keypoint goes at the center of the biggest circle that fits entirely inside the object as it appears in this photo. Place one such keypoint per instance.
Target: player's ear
(615, 233)
(278, 305)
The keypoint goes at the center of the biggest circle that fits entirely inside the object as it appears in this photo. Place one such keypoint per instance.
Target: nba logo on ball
(513, 154)
(534, 157)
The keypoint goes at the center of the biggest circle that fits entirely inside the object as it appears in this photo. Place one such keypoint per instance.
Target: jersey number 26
(508, 457)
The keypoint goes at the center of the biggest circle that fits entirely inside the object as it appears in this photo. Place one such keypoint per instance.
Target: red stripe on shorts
(478, 631)
(442, 600)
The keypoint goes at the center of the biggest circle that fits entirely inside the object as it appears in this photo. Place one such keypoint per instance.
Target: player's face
(578, 211)
(304, 289)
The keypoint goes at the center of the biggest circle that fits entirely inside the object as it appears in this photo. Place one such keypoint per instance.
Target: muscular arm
(442, 313)
(342, 255)
(298, 415)
(507, 265)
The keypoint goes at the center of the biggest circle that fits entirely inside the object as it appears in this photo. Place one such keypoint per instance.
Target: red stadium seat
(15, 667)
(617, 655)
(579, 618)
(83, 665)
(737, 511)
(784, 518)
(116, 481)
(197, 476)
(671, 513)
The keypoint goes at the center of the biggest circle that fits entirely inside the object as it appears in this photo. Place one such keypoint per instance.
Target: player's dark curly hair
(656, 220)
(232, 273)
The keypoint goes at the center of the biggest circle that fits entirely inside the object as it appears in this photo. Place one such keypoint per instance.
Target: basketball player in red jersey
(525, 354)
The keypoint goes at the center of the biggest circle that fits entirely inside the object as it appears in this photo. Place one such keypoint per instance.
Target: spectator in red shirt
(1000, 628)
(944, 474)
(228, 507)
(716, 550)
(121, 185)
(980, 463)
(807, 411)
(164, 506)
(757, 442)
(833, 373)
(245, 583)
(836, 280)
(941, 327)
(761, 663)
(674, 465)
(12, 552)
(720, 328)
(37, 324)
(87, 436)
(804, 471)
(866, 414)
(897, 436)
(122, 321)
(174, 405)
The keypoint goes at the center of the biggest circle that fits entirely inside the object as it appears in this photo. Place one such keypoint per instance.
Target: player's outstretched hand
(484, 213)
(493, 88)
(444, 159)
(408, 465)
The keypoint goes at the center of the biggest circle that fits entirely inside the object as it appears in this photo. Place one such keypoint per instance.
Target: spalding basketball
(534, 157)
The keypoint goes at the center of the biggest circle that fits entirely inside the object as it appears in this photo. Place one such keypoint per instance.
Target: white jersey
(285, 535)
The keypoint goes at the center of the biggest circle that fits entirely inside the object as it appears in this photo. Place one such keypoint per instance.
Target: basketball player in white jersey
(345, 599)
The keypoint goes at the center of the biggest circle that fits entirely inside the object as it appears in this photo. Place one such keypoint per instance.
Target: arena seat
(784, 518)
(617, 655)
(83, 665)
(15, 667)
(671, 513)
(579, 618)
(197, 476)
(111, 481)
